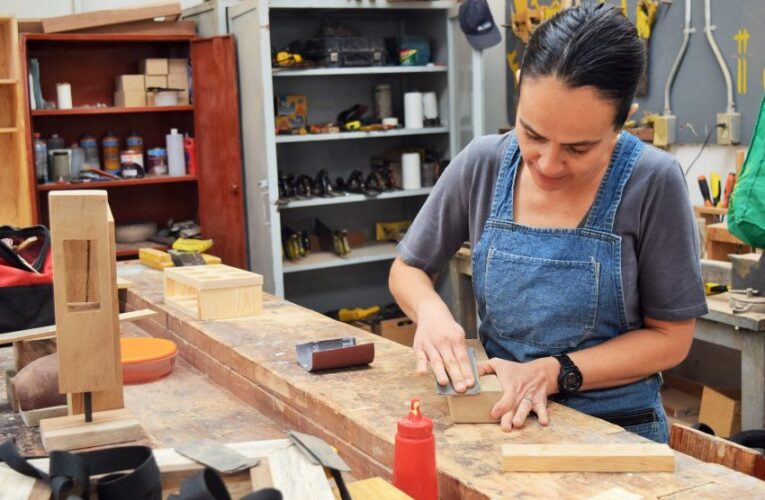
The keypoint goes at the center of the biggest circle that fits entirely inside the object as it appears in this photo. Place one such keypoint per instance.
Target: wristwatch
(569, 378)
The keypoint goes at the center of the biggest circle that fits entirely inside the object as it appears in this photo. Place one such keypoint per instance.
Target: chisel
(730, 182)
(705, 191)
(716, 188)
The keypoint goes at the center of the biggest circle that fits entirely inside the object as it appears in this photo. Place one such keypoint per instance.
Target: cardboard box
(183, 98)
(130, 98)
(178, 81)
(399, 330)
(721, 410)
(153, 66)
(291, 112)
(130, 83)
(177, 66)
(156, 81)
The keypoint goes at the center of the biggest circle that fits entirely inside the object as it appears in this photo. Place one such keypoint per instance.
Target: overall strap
(603, 212)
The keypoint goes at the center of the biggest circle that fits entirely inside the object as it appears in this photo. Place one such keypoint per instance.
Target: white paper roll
(390, 121)
(429, 105)
(413, 110)
(64, 95)
(410, 171)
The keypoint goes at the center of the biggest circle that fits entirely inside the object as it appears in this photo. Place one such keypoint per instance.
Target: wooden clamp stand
(87, 324)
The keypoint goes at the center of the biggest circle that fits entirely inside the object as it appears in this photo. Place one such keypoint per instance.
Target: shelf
(373, 252)
(281, 139)
(355, 198)
(110, 110)
(8, 130)
(126, 182)
(361, 4)
(373, 70)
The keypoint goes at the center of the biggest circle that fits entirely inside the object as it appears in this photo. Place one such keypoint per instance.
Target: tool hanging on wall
(705, 191)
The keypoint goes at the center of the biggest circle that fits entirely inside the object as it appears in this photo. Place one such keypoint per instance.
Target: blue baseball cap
(478, 24)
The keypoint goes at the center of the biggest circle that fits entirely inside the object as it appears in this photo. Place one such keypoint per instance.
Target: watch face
(570, 381)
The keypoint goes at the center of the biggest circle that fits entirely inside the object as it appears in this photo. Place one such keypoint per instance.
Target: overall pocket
(549, 304)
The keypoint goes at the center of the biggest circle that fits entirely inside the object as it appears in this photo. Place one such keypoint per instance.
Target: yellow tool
(645, 14)
(158, 259)
(192, 245)
(284, 59)
(716, 186)
(356, 314)
(714, 288)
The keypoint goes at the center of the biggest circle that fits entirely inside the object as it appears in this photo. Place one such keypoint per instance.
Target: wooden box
(214, 291)
(721, 410)
(154, 66)
(399, 330)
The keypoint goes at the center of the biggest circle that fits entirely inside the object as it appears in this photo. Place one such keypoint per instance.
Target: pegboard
(699, 91)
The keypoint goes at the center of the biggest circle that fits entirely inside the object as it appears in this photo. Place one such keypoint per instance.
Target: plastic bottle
(41, 159)
(110, 147)
(191, 155)
(89, 145)
(78, 157)
(56, 142)
(414, 456)
(175, 160)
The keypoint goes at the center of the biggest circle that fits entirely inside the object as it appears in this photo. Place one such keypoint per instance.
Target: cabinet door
(219, 157)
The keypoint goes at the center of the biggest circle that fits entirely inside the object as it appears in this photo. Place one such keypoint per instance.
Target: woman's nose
(549, 162)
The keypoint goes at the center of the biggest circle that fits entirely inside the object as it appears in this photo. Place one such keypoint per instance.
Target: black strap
(70, 473)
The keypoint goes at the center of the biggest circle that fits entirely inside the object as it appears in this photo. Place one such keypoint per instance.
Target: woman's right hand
(440, 343)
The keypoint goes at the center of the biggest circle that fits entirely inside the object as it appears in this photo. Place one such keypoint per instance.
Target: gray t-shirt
(661, 274)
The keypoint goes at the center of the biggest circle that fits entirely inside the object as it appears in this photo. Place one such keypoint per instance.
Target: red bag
(26, 279)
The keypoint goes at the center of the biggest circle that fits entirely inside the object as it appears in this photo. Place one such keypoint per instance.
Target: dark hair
(589, 45)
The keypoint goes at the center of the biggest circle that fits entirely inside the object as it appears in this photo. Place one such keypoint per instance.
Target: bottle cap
(174, 131)
(415, 424)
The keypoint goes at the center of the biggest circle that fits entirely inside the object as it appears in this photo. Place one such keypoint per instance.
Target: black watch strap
(569, 378)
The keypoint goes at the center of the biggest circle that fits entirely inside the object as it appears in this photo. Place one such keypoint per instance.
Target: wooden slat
(72, 433)
(375, 488)
(716, 450)
(295, 477)
(108, 17)
(605, 457)
(46, 332)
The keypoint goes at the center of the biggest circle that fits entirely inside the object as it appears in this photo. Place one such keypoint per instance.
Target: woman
(585, 254)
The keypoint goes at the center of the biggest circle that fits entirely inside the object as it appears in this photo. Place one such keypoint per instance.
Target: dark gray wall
(699, 90)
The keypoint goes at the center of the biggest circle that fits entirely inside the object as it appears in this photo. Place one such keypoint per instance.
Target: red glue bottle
(414, 457)
(191, 155)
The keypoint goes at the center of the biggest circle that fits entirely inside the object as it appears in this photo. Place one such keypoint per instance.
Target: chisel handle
(705, 191)
(730, 182)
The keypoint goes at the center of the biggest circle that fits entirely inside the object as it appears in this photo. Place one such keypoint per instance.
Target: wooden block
(607, 457)
(153, 66)
(178, 81)
(133, 83)
(680, 404)
(374, 488)
(130, 99)
(476, 408)
(260, 475)
(721, 410)
(156, 81)
(72, 432)
(150, 27)
(400, 330)
(32, 418)
(714, 449)
(107, 17)
(214, 291)
(178, 67)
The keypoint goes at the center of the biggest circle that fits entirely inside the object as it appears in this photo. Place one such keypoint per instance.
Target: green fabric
(746, 213)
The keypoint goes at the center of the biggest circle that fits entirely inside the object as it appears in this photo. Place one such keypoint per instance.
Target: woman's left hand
(525, 389)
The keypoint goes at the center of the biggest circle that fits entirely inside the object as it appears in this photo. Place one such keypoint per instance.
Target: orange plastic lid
(137, 350)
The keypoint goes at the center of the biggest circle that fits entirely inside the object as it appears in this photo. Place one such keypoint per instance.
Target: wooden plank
(32, 418)
(46, 332)
(260, 475)
(296, 477)
(374, 488)
(606, 457)
(97, 18)
(476, 408)
(716, 450)
(13, 484)
(82, 243)
(145, 28)
(72, 432)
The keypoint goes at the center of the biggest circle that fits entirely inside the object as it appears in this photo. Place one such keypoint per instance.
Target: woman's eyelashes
(572, 149)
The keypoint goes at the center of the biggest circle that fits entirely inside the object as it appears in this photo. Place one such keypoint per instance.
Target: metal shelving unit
(263, 27)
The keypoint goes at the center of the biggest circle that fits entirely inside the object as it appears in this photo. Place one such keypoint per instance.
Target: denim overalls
(546, 291)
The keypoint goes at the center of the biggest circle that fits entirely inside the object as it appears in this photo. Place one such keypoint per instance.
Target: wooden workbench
(357, 410)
